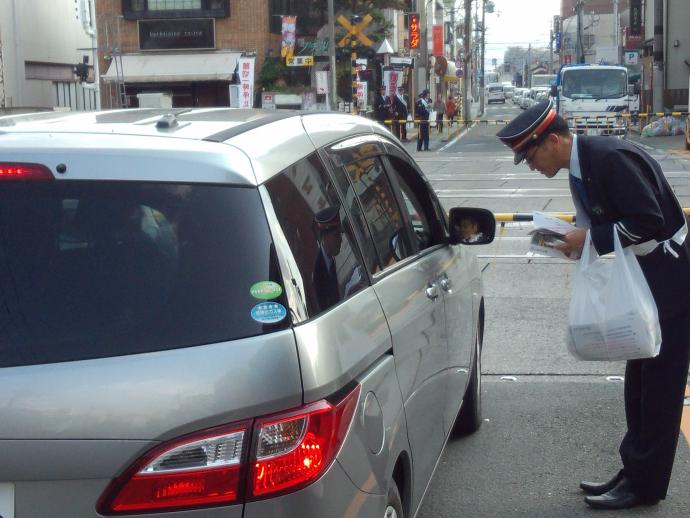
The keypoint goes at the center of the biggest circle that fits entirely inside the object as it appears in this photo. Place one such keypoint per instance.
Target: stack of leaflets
(548, 235)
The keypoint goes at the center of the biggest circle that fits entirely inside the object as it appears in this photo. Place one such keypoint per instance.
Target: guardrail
(506, 217)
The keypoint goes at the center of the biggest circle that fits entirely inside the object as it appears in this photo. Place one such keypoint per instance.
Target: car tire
(470, 416)
(394, 505)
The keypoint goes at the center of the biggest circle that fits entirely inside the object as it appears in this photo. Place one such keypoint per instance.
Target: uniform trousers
(654, 393)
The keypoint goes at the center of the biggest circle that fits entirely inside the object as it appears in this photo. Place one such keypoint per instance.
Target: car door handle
(432, 291)
(446, 284)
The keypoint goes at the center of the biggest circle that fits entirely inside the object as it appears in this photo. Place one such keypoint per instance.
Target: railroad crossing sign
(354, 32)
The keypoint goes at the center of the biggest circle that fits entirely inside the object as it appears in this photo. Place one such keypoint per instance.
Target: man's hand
(574, 241)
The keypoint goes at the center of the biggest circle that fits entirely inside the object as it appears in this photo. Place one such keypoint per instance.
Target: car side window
(385, 221)
(422, 217)
(318, 232)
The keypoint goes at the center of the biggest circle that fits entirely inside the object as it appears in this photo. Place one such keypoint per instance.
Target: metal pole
(580, 43)
(616, 30)
(658, 71)
(332, 94)
(466, 113)
(483, 65)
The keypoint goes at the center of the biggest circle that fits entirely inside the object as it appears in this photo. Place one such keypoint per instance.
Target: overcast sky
(518, 23)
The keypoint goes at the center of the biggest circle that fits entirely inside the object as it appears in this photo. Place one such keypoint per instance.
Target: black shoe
(599, 488)
(620, 497)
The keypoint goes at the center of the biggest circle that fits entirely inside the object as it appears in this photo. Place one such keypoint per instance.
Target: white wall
(44, 31)
(678, 19)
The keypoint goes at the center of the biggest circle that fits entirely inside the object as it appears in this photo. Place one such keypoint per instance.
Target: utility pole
(483, 63)
(579, 49)
(616, 30)
(466, 76)
(550, 69)
(423, 47)
(332, 95)
(528, 74)
(658, 71)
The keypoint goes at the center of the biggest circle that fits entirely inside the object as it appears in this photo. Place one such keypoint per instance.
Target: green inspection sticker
(266, 290)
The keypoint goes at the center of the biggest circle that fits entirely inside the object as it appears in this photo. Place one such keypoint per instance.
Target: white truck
(595, 99)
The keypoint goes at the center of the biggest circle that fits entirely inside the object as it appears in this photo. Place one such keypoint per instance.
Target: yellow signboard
(300, 61)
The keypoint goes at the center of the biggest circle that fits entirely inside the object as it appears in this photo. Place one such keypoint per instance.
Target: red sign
(567, 59)
(437, 34)
(414, 31)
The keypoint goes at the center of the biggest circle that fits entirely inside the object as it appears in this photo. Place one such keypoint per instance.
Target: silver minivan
(232, 313)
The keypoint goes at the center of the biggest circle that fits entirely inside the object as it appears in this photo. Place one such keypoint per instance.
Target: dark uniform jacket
(400, 108)
(325, 283)
(626, 187)
(422, 109)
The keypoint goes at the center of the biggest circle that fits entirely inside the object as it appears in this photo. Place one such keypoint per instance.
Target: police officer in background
(422, 109)
(382, 106)
(400, 109)
(617, 186)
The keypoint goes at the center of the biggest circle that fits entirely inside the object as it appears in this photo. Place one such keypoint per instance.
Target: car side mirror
(471, 226)
(554, 91)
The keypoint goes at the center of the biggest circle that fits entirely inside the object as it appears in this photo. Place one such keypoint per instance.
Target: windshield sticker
(268, 312)
(266, 290)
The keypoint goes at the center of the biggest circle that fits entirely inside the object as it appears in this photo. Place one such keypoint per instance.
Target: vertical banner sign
(437, 33)
(414, 30)
(288, 45)
(246, 70)
(391, 80)
(362, 93)
(635, 17)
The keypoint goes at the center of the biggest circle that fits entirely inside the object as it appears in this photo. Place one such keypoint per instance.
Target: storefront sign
(403, 61)
(437, 34)
(299, 61)
(246, 72)
(198, 33)
(414, 31)
(635, 17)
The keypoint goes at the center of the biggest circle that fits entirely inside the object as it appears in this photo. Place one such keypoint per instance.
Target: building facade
(187, 49)
(38, 72)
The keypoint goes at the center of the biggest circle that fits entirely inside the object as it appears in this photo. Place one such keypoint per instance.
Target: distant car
(228, 313)
(495, 93)
(509, 91)
(517, 95)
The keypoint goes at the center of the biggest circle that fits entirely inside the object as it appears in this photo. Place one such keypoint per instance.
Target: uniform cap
(527, 129)
(328, 218)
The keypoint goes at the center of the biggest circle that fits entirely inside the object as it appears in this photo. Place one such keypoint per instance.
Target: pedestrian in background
(451, 110)
(617, 187)
(440, 109)
(422, 109)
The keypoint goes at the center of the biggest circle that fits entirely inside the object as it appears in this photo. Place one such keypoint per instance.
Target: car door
(455, 280)
(407, 285)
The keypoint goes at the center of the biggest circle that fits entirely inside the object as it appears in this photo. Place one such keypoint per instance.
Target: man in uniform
(615, 185)
(329, 232)
(382, 106)
(422, 109)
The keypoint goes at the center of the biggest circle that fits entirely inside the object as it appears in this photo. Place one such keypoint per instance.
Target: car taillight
(20, 171)
(295, 448)
(198, 470)
(210, 468)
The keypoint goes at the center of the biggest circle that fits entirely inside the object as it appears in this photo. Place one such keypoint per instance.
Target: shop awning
(174, 67)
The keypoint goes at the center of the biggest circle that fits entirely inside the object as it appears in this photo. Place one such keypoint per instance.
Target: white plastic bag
(612, 313)
(410, 122)
(432, 118)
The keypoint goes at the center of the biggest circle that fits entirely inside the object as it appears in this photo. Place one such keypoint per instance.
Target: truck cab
(594, 98)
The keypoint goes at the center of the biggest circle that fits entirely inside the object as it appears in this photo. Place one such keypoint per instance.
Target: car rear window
(96, 269)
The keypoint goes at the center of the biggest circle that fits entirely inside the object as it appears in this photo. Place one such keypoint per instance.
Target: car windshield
(594, 84)
(94, 269)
